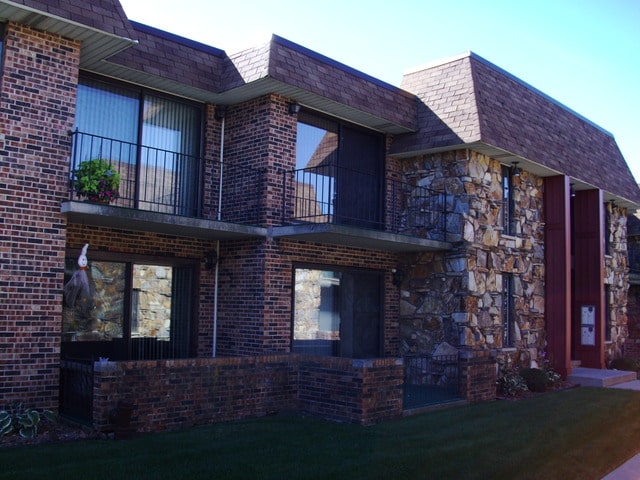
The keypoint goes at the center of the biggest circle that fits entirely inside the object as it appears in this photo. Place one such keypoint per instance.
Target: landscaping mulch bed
(560, 386)
(58, 432)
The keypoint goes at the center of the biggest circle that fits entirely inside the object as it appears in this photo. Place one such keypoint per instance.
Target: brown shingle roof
(468, 100)
(173, 58)
(105, 15)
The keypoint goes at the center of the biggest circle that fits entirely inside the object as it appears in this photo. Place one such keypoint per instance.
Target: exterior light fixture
(398, 277)
(210, 260)
(516, 171)
(572, 191)
(221, 111)
(294, 108)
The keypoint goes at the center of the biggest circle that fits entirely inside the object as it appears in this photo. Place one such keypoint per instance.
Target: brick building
(289, 233)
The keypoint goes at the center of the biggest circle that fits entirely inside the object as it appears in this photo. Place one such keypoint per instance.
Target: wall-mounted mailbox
(588, 324)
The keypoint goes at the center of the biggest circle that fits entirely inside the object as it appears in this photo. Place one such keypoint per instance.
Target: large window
(2, 27)
(153, 140)
(130, 310)
(339, 177)
(337, 313)
(508, 312)
(508, 202)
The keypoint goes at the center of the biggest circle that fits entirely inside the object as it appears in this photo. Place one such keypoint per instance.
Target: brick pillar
(37, 96)
(478, 375)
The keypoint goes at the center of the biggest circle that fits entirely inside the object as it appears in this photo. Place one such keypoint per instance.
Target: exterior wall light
(398, 277)
(210, 260)
(221, 111)
(516, 170)
(294, 108)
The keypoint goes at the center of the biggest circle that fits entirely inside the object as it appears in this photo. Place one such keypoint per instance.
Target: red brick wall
(38, 88)
(255, 295)
(175, 394)
(346, 390)
(256, 275)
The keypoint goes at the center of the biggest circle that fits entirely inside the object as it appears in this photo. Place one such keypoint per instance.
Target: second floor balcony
(169, 192)
(329, 204)
(162, 191)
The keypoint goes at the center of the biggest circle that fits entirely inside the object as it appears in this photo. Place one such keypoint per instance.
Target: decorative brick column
(38, 91)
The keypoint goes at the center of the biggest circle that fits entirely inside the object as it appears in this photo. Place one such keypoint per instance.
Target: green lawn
(581, 433)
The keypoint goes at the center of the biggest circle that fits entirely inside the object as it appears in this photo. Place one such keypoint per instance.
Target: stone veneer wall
(456, 297)
(617, 278)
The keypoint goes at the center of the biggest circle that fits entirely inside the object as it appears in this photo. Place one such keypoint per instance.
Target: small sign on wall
(588, 324)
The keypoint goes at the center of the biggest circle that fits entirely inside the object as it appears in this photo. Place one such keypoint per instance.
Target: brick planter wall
(348, 390)
(478, 375)
(174, 394)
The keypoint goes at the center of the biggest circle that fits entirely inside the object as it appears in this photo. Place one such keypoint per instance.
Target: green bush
(535, 378)
(97, 180)
(25, 423)
(510, 383)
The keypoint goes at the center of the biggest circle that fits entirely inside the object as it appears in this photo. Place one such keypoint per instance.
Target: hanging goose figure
(77, 291)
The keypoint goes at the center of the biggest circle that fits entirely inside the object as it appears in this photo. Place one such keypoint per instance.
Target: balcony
(333, 205)
(168, 192)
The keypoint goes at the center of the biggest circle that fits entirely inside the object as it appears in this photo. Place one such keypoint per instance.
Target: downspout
(219, 114)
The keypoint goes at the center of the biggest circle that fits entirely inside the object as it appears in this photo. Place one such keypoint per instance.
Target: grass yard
(581, 433)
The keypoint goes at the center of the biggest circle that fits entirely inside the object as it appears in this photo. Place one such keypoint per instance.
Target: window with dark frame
(136, 310)
(2, 30)
(607, 312)
(339, 172)
(153, 140)
(508, 312)
(606, 228)
(508, 202)
(337, 312)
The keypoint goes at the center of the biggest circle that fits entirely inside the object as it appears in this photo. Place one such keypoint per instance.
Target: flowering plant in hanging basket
(97, 180)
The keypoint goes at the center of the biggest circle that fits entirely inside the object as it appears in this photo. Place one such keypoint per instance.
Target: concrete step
(594, 377)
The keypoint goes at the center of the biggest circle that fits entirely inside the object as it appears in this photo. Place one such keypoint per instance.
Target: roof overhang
(97, 45)
(251, 90)
(507, 158)
(117, 217)
(327, 233)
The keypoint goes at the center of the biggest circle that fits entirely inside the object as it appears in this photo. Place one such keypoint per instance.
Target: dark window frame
(141, 95)
(130, 260)
(347, 197)
(508, 201)
(607, 312)
(380, 274)
(508, 312)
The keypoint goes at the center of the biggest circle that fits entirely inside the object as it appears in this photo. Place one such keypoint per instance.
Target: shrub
(97, 180)
(535, 378)
(509, 382)
(24, 422)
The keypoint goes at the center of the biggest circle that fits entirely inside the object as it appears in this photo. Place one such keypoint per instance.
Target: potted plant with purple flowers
(97, 180)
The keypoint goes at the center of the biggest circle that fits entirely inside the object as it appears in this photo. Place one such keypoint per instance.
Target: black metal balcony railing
(158, 180)
(329, 194)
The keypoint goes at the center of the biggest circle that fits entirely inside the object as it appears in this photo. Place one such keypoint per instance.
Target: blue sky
(583, 53)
